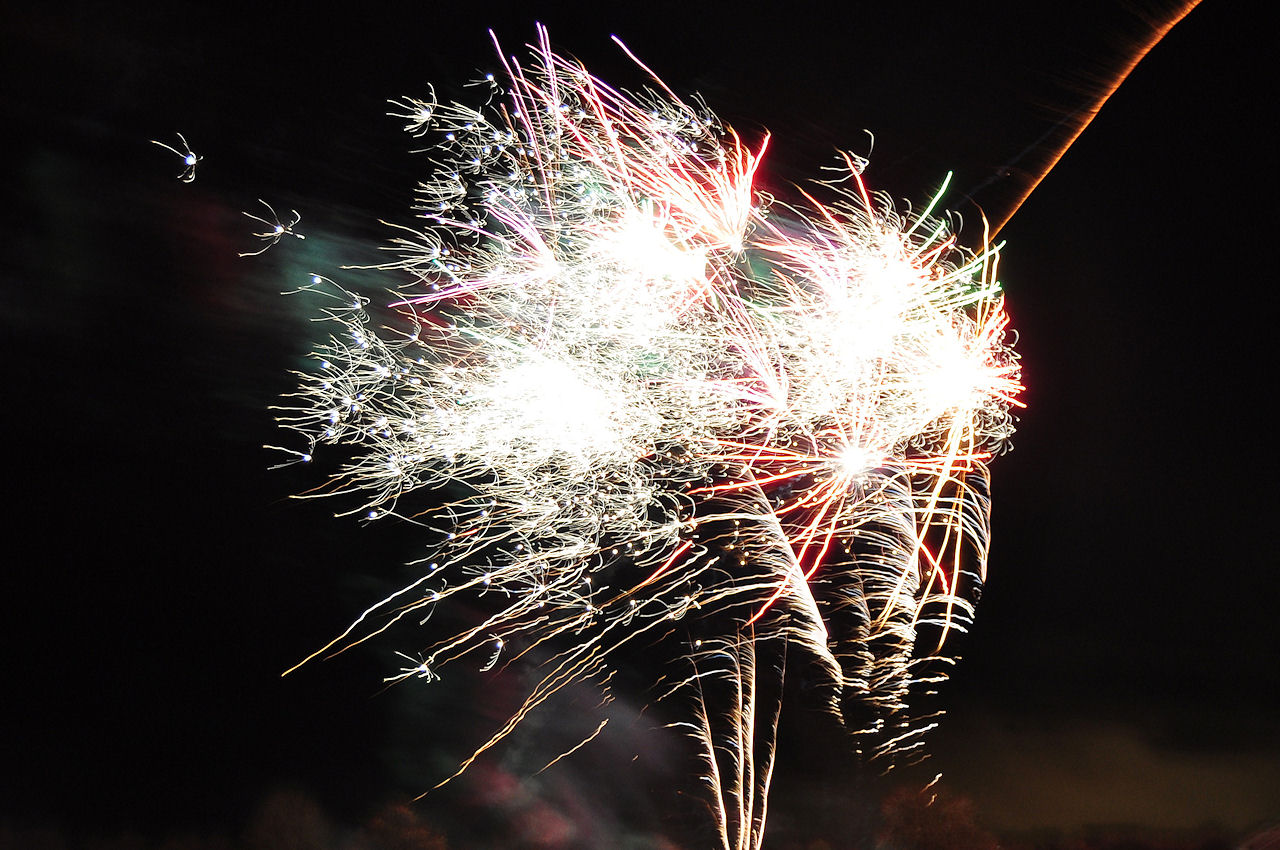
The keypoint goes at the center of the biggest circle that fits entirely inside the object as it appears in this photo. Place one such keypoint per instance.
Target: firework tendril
(646, 399)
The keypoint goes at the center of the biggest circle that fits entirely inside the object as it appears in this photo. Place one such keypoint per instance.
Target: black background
(158, 578)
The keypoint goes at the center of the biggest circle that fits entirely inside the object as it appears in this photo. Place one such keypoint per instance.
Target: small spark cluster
(190, 159)
(642, 396)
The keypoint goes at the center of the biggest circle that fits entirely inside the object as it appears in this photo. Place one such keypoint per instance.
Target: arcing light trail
(654, 402)
(1083, 118)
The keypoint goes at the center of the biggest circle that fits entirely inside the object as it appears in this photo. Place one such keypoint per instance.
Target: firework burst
(651, 400)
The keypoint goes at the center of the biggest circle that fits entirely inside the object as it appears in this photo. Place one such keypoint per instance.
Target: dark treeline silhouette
(284, 820)
(909, 819)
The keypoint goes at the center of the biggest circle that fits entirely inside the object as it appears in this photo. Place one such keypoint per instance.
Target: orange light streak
(1092, 112)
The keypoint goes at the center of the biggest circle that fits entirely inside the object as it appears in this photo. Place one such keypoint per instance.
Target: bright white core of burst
(857, 460)
(557, 407)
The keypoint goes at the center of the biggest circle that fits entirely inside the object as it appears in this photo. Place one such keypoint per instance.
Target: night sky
(158, 578)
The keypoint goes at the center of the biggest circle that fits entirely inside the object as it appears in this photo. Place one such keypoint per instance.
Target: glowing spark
(189, 158)
(276, 230)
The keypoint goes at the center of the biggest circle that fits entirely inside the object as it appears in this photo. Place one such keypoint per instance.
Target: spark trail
(652, 402)
(1079, 121)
